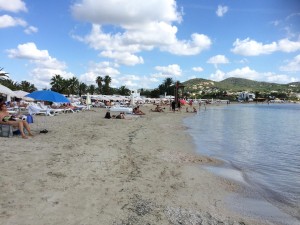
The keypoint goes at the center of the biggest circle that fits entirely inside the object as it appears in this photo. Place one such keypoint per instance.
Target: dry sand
(88, 170)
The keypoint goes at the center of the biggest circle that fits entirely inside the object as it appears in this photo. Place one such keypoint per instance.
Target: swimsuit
(8, 118)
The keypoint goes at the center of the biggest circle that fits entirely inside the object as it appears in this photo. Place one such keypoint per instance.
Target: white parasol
(88, 101)
(6, 91)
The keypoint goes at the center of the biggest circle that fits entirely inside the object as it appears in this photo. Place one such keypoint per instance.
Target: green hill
(240, 84)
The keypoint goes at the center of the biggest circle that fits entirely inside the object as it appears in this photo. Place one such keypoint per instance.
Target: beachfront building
(246, 96)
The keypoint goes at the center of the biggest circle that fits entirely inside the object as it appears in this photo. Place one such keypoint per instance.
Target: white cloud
(140, 26)
(30, 30)
(8, 21)
(45, 66)
(133, 12)
(292, 66)
(197, 69)
(124, 58)
(218, 59)
(248, 47)
(221, 10)
(28, 51)
(218, 75)
(250, 74)
(278, 78)
(196, 45)
(100, 69)
(288, 46)
(244, 72)
(13, 5)
(168, 71)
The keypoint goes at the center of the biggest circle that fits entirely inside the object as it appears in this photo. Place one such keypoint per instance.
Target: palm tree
(10, 84)
(107, 81)
(168, 82)
(99, 81)
(91, 89)
(82, 89)
(3, 74)
(57, 83)
(27, 86)
(73, 84)
(123, 90)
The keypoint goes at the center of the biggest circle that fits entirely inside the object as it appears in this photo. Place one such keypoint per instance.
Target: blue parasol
(50, 96)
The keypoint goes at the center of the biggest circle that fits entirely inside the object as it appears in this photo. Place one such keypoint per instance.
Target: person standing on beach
(179, 105)
(173, 105)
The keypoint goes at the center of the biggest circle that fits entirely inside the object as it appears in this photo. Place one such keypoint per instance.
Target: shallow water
(259, 144)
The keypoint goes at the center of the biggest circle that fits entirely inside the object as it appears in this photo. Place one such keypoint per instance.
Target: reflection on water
(260, 140)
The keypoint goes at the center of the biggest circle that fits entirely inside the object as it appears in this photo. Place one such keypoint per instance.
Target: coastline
(90, 170)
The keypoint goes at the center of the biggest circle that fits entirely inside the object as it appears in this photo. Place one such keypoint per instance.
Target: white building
(245, 96)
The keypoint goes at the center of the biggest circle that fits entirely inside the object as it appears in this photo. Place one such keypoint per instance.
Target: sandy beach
(89, 170)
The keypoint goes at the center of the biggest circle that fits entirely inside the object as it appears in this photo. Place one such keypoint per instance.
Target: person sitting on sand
(157, 109)
(6, 118)
(107, 115)
(120, 116)
(137, 111)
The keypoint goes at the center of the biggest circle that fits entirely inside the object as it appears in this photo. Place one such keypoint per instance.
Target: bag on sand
(29, 118)
(6, 130)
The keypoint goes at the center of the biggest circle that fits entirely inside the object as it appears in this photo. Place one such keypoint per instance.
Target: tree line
(73, 86)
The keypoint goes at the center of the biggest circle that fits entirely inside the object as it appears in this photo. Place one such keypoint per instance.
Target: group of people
(158, 109)
(15, 121)
(120, 116)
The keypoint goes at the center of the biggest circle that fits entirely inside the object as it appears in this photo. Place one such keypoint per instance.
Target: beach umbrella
(50, 96)
(88, 101)
(182, 101)
(6, 91)
(21, 94)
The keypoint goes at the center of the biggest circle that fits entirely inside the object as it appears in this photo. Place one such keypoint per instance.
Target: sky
(141, 43)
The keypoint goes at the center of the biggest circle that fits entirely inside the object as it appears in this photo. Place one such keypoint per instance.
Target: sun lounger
(126, 110)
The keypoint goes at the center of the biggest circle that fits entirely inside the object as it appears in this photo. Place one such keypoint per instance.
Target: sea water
(260, 147)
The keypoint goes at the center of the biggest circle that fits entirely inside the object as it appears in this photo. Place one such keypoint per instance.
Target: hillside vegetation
(239, 84)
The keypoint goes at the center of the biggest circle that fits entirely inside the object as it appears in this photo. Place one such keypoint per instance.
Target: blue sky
(140, 43)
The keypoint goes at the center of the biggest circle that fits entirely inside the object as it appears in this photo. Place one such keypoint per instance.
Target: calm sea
(260, 145)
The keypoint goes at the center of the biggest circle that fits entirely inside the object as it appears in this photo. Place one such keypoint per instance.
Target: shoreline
(250, 201)
(90, 170)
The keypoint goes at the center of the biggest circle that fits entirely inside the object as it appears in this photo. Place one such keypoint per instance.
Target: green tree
(106, 87)
(27, 86)
(72, 86)
(10, 84)
(169, 86)
(57, 83)
(3, 74)
(91, 89)
(146, 93)
(124, 91)
(99, 81)
(82, 89)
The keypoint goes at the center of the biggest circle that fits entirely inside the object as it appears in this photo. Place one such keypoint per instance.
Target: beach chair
(51, 110)
(36, 110)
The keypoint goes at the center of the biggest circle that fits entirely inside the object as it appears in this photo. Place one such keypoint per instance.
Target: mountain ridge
(240, 84)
